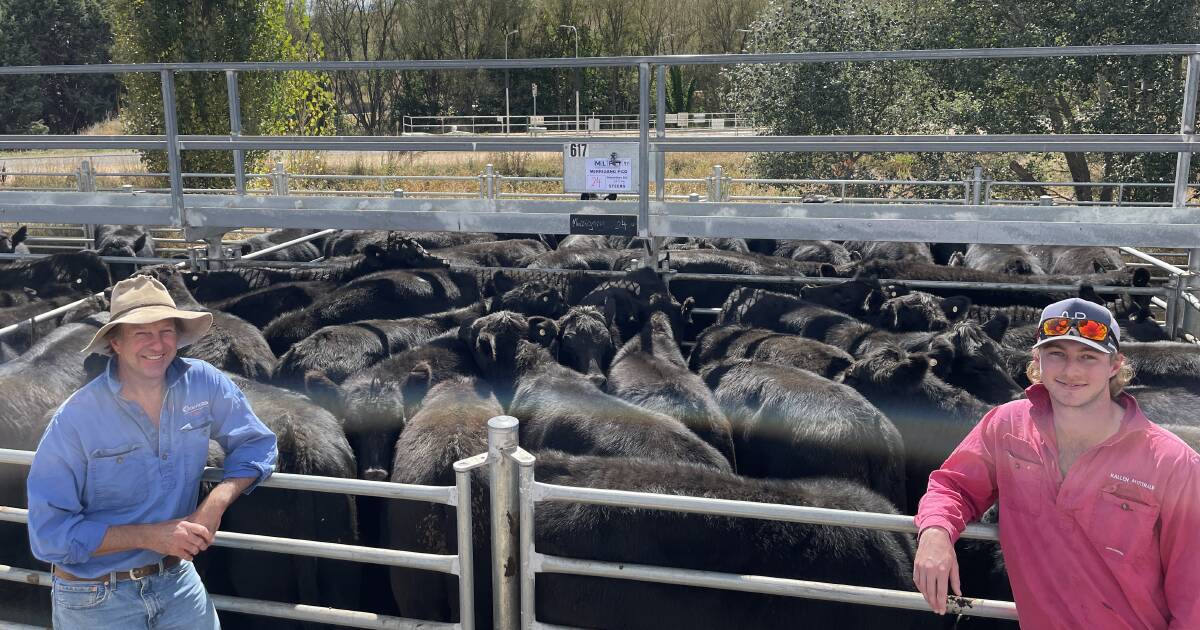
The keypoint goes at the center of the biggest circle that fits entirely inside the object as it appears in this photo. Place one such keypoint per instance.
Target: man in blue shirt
(115, 482)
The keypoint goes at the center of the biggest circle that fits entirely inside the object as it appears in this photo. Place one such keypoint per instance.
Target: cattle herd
(386, 360)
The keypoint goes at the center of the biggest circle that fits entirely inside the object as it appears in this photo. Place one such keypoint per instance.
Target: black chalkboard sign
(604, 224)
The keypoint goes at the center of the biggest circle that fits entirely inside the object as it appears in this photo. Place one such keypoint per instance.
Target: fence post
(398, 193)
(525, 461)
(85, 177)
(235, 130)
(1045, 200)
(1187, 127)
(488, 182)
(976, 185)
(718, 176)
(279, 179)
(502, 476)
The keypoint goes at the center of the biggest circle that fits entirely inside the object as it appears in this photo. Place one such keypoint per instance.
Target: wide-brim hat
(144, 300)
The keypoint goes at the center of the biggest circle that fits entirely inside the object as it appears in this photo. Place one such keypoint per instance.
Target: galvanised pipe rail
(1172, 269)
(608, 62)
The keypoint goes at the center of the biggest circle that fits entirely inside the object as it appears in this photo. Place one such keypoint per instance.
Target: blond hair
(1116, 384)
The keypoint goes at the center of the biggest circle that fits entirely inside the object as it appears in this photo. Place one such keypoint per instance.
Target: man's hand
(213, 508)
(179, 537)
(934, 566)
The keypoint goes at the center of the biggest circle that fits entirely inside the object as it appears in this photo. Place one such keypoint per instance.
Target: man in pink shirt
(1099, 507)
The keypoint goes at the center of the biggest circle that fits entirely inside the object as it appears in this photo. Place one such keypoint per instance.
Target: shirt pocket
(1022, 476)
(120, 477)
(1122, 525)
(79, 595)
(193, 443)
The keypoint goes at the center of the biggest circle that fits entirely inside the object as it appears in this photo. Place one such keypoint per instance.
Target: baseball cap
(1079, 310)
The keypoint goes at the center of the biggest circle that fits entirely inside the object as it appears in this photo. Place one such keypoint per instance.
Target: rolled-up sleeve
(58, 531)
(250, 447)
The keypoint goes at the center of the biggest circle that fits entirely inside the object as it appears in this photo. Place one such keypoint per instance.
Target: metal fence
(587, 124)
(514, 494)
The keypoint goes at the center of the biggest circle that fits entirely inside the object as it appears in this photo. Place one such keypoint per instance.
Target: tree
(54, 32)
(298, 103)
(1079, 95)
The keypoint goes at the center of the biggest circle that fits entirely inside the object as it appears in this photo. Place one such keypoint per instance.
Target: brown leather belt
(169, 562)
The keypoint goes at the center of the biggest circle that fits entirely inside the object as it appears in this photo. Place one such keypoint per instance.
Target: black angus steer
(1006, 259)
(76, 273)
(126, 241)
(13, 243)
(232, 344)
(561, 411)
(718, 343)
(350, 242)
(337, 352)
(260, 306)
(28, 334)
(830, 252)
(712, 543)
(514, 253)
(649, 371)
(426, 288)
(789, 423)
(883, 250)
(310, 443)
(585, 342)
(302, 252)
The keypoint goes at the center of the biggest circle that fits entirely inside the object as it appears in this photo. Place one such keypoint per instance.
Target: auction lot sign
(600, 167)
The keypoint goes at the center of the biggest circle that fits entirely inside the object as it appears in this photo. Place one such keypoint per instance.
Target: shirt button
(1125, 506)
(164, 456)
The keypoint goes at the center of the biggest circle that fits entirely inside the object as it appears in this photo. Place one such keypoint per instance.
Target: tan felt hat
(143, 300)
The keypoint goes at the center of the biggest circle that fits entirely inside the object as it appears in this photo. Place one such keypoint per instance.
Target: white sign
(609, 175)
(600, 167)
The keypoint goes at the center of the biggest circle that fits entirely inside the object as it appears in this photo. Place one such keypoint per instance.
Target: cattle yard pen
(975, 217)
(510, 468)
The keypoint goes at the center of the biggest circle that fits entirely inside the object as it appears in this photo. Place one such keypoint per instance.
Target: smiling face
(1076, 375)
(144, 350)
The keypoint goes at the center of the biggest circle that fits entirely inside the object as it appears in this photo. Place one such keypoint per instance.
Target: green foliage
(219, 30)
(680, 98)
(54, 32)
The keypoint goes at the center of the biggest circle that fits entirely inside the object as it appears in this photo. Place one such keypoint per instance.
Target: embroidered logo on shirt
(196, 407)
(1126, 479)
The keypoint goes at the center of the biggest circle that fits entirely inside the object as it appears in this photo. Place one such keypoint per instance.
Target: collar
(175, 372)
(1042, 412)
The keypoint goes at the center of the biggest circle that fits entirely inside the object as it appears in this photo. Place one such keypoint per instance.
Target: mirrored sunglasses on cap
(1085, 328)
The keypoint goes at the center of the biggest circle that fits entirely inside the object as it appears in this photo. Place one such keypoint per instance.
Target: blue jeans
(174, 598)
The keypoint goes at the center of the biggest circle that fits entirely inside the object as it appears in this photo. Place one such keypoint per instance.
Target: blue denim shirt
(101, 462)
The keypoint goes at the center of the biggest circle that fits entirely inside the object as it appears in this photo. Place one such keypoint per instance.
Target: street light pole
(506, 114)
(576, 31)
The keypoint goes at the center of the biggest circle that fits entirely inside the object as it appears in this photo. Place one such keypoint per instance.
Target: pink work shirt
(1116, 544)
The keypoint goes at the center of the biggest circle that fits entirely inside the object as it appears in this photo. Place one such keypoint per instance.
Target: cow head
(922, 312)
(123, 246)
(400, 252)
(862, 295)
(823, 251)
(977, 364)
(585, 343)
(83, 271)
(888, 368)
(530, 298)
(623, 311)
(757, 307)
(495, 339)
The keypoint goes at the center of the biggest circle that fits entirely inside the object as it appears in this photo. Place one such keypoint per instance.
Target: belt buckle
(135, 574)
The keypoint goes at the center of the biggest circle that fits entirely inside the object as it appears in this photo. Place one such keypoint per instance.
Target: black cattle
(1005, 259)
(585, 342)
(31, 386)
(830, 252)
(350, 242)
(512, 253)
(1078, 260)
(1189, 434)
(894, 251)
(584, 259)
(931, 415)
(372, 403)
(310, 443)
(690, 242)
(450, 425)
(129, 241)
(380, 295)
(528, 298)
(72, 273)
(260, 306)
(1168, 405)
(1164, 364)
(909, 270)
(395, 252)
(561, 411)
(790, 423)
(21, 340)
(718, 343)
(232, 344)
(738, 546)
(303, 252)
(649, 371)
(342, 350)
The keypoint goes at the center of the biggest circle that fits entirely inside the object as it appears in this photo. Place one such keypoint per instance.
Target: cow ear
(542, 330)
(139, 243)
(996, 326)
(956, 307)
(19, 235)
(416, 386)
(826, 270)
(956, 260)
(323, 391)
